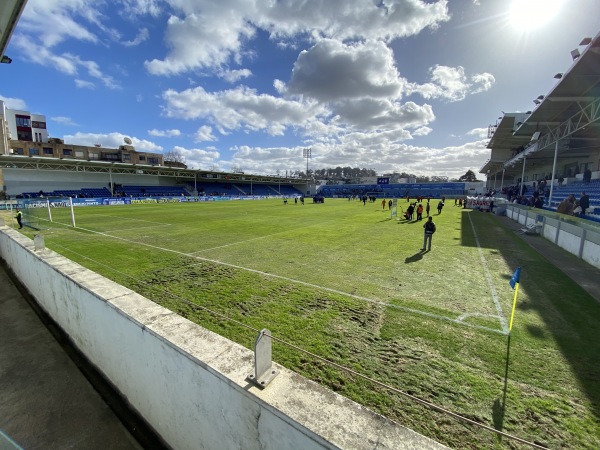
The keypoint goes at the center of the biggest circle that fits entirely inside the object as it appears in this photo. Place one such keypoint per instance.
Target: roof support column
(553, 172)
(502, 182)
(523, 176)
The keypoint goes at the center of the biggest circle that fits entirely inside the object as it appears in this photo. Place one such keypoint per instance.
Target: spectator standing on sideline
(584, 202)
(390, 203)
(427, 209)
(440, 206)
(383, 202)
(409, 211)
(429, 230)
(420, 212)
(19, 218)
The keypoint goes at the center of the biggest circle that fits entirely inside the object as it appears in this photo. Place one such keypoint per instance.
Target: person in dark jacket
(429, 230)
(584, 202)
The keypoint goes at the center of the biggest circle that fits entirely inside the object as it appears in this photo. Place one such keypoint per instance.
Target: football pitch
(347, 283)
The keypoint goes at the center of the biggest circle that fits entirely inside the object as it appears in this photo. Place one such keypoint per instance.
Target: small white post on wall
(38, 242)
(263, 364)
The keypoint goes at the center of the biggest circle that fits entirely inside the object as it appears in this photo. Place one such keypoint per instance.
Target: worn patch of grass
(345, 282)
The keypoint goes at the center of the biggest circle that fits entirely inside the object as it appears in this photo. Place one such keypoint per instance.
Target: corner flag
(515, 278)
(514, 283)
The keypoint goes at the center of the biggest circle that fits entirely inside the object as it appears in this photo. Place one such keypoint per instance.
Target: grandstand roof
(10, 11)
(75, 165)
(569, 113)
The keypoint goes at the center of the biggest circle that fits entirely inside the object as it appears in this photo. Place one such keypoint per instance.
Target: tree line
(349, 173)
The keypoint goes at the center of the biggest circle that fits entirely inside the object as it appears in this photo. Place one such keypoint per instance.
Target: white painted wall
(581, 242)
(187, 382)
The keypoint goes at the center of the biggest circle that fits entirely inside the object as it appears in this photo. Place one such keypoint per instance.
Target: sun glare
(529, 14)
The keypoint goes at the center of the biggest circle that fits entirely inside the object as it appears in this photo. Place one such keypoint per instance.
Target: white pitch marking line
(129, 218)
(138, 228)
(254, 239)
(236, 243)
(304, 283)
(489, 280)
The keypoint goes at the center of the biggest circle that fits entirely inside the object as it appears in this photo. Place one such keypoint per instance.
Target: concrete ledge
(187, 382)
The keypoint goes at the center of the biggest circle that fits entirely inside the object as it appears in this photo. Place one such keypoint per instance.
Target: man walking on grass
(429, 230)
(19, 218)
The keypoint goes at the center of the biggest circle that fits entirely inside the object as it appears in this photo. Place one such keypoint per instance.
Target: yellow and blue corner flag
(515, 278)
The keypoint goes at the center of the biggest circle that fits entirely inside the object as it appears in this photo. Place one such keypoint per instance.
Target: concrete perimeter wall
(571, 235)
(187, 382)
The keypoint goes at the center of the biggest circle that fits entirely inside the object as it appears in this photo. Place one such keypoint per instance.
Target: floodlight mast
(306, 154)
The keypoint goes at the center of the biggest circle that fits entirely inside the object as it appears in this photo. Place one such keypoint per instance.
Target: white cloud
(451, 83)
(82, 84)
(198, 158)
(231, 76)
(197, 38)
(344, 20)
(478, 132)
(358, 87)
(66, 62)
(482, 82)
(142, 36)
(422, 131)
(64, 121)
(204, 133)
(141, 7)
(164, 133)
(14, 103)
(60, 20)
(241, 108)
(331, 70)
(110, 140)
(382, 152)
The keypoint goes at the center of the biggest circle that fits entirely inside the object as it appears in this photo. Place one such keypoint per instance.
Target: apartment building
(26, 134)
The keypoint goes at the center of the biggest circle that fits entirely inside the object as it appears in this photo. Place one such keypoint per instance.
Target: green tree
(468, 177)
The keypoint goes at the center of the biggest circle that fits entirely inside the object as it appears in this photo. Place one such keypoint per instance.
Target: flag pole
(514, 283)
(512, 314)
(500, 413)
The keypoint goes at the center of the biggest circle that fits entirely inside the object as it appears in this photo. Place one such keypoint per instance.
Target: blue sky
(391, 85)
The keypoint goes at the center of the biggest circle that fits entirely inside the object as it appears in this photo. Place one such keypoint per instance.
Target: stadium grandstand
(553, 151)
(403, 190)
(26, 178)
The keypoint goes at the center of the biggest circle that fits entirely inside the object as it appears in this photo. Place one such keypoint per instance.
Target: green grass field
(346, 282)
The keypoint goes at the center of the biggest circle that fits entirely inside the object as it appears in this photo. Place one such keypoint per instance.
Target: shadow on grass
(499, 407)
(569, 313)
(416, 257)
